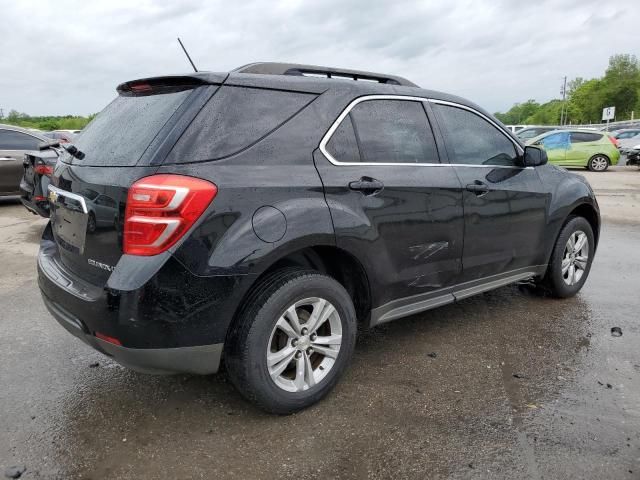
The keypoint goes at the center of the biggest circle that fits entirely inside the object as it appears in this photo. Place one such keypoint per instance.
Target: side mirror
(534, 156)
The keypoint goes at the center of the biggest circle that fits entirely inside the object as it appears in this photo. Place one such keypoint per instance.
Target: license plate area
(69, 219)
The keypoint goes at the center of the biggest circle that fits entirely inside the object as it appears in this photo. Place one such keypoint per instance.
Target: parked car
(14, 143)
(37, 170)
(633, 155)
(257, 226)
(579, 148)
(528, 133)
(626, 138)
(625, 133)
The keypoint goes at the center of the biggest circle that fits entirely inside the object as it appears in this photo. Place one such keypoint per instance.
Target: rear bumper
(37, 208)
(201, 359)
(165, 319)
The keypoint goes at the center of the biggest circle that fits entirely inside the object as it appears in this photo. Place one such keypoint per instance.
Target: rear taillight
(614, 140)
(160, 209)
(43, 170)
(109, 339)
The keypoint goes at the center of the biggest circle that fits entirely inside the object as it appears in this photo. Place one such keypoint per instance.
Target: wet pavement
(520, 387)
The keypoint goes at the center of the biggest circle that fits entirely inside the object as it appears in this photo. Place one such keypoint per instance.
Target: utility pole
(563, 112)
(1, 113)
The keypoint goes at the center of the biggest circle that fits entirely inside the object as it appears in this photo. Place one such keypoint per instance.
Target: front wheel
(598, 163)
(571, 258)
(290, 344)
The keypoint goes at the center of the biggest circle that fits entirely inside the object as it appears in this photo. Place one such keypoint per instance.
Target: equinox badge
(101, 265)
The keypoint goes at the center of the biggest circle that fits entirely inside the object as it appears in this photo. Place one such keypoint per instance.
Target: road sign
(608, 113)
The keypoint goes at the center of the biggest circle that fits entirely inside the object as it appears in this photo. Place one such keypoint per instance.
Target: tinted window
(12, 140)
(342, 146)
(121, 133)
(393, 131)
(581, 137)
(236, 118)
(474, 141)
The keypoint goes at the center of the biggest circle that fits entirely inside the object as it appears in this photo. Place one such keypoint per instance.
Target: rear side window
(471, 140)
(385, 131)
(12, 140)
(236, 118)
(121, 133)
(583, 137)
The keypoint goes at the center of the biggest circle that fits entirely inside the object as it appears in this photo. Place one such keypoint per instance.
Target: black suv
(260, 216)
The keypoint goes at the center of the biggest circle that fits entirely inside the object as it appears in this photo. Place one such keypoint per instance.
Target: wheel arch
(345, 268)
(589, 213)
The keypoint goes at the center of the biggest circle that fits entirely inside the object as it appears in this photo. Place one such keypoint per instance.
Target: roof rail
(274, 68)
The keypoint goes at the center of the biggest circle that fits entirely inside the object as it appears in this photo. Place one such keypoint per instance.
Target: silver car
(14, 142)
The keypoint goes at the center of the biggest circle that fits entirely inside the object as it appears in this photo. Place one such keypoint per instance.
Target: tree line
(46, 123)
(619, 87)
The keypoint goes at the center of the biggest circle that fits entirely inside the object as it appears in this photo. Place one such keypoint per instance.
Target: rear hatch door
(121, 145)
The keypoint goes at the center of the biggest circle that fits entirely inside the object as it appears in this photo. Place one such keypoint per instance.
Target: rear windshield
(234, 119)
(121, 132)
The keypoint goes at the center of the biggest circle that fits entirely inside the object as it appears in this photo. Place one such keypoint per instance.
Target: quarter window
(471, 140)
(342, 145)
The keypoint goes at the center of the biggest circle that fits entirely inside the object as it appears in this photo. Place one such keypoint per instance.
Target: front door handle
(6, 159)
(367, 185)
(478, 187)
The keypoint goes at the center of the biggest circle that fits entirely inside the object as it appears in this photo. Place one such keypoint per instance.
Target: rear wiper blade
(71, 149)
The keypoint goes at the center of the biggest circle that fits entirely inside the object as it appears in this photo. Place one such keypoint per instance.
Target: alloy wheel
(576, 257)
(599, 163)
(304, 344)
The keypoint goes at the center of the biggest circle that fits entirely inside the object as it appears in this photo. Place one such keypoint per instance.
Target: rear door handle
(367, 185)
(479, 188)
(6, 159)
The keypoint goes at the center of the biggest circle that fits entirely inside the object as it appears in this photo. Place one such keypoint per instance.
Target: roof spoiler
(273, 68)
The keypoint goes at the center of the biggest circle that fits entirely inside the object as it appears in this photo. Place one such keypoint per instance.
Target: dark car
(262, 215)
(14, 143)
(34, 187)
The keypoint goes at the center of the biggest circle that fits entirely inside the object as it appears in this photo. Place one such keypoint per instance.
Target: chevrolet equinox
(261, 217)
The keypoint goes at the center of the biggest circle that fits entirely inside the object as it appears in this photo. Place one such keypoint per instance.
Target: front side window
(471, 140)
(12, 140)
(555, 141)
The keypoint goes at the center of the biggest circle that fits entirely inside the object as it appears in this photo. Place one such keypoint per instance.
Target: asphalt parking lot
(508, 385)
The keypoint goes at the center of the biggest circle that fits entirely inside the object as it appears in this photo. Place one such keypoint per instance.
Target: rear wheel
(571, 258)
(292, 341)
(598, 163)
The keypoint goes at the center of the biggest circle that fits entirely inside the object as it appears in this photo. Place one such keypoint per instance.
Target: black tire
(554, 279)
(91, 223)
(591, 165)
(248, 339)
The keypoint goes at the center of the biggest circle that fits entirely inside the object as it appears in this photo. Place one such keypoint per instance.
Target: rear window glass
(234, 119)
(121, 133)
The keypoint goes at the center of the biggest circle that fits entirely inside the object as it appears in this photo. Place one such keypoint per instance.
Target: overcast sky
(64, 56)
